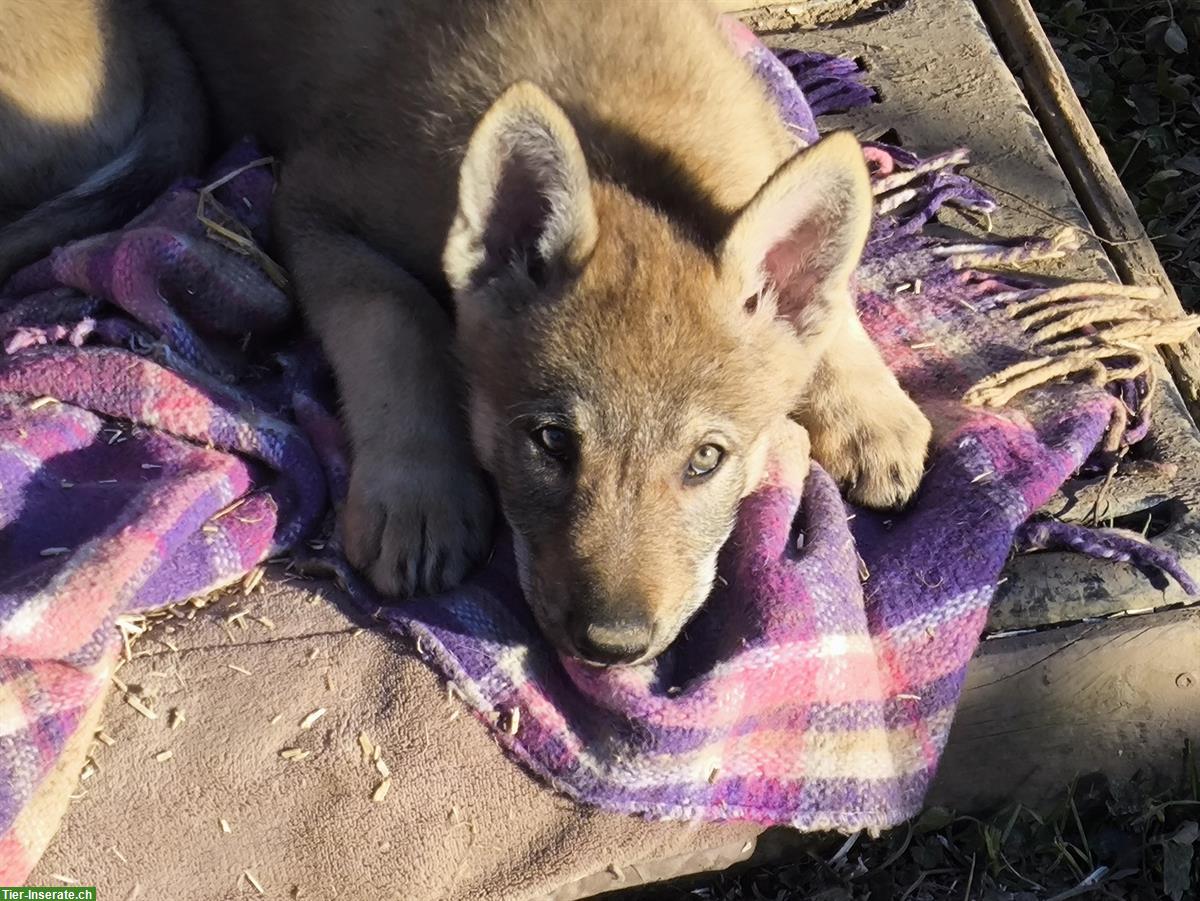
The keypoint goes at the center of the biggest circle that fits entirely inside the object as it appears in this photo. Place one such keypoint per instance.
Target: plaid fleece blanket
(163, 430)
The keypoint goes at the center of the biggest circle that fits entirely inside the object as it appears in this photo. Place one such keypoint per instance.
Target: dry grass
(1102, 840)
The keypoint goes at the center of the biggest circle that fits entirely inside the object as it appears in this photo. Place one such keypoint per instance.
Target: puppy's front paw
(417, 527)
(877, 453)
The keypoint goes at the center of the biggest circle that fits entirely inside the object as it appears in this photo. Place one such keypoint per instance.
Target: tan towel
(459, 820)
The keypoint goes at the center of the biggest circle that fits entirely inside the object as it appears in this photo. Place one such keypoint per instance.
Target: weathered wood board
(1039, 710)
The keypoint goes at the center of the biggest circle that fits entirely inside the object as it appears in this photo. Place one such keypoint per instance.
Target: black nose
(612, 641)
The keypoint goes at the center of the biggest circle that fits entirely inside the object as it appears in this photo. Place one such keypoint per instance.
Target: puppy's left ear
(524, 199)
(802, 235)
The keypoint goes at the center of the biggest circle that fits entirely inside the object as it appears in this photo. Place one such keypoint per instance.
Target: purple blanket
(163, 430)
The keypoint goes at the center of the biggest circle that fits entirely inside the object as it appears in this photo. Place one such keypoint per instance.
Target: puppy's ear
(524, 197)
(797, 243)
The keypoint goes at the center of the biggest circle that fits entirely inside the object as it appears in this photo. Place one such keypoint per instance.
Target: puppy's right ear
(524, 197)
(799, 240)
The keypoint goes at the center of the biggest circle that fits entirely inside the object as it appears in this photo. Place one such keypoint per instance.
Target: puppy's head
(624, 379)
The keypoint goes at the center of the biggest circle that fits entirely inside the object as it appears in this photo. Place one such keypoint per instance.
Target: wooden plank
(1039, 710)
(773, 16)
(1031, 57)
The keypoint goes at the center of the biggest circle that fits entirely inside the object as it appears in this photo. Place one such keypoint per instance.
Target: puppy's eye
(705, 460)
(554, 441)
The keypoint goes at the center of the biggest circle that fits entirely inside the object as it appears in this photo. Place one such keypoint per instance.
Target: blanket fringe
(909, 191)
(830, 83)
(888, 191)
(1119, 545)
(1101, 331)
(981, 255)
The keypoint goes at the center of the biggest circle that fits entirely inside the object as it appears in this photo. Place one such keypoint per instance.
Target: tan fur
(67, 70)
(603, 198)
(99, 110)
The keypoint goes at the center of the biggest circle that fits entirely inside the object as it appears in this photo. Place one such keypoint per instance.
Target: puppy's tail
(169, 141)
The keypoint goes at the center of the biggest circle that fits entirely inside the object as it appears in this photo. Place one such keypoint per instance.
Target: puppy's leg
(865, 431)
(419, 513)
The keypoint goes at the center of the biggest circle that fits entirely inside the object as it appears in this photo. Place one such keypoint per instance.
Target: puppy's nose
(613, 641)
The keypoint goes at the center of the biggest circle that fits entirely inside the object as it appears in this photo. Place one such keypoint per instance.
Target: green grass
(1135, 66)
